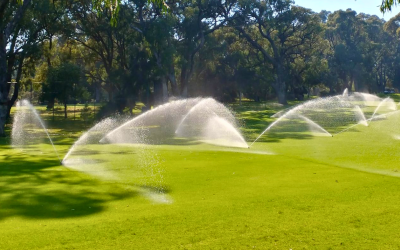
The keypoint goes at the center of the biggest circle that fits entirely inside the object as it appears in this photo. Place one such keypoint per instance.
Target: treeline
(274, 49)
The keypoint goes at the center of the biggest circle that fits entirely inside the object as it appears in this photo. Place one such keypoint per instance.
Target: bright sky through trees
(366, 6)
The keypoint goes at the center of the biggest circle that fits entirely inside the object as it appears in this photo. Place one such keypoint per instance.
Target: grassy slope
(307, 194)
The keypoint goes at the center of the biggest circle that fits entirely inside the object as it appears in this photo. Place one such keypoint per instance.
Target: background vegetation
(147, 52)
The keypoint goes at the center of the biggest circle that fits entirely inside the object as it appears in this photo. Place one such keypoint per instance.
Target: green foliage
(62, 83)
(113, 7)
(388, 4)
(131, 51)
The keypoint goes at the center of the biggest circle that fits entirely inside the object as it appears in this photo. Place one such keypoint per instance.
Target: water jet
(27, 126)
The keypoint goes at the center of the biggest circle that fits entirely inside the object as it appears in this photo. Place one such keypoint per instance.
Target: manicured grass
(306, 192)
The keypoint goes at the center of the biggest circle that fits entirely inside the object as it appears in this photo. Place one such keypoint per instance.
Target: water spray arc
(312, 123)
(208, 121)
(388, 101)
(172, 110)
(18, 135)
(361, 116)
(333, 112)
(188, 113)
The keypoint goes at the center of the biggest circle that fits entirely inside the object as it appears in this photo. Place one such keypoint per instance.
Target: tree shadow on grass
(38, 188)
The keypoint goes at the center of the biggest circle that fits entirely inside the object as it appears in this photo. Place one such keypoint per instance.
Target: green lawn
(340, 192)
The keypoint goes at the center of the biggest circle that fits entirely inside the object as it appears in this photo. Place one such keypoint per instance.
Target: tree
(157, 31)
(11, 13)
(379, 55)
(284, 31)
(348, 39)
(392, 28)
(38, 25)
(63, 83)
(197, 20)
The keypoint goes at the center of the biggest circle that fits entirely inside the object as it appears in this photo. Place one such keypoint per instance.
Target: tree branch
(17, 17)
(267, 56)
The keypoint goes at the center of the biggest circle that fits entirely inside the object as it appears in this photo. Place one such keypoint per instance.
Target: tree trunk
(282, 97)
(172, 79)
(184, 91)
(350, 86)
(65, 110)
(280, 86)
(384, 80)
(3, 114)
(165, 90)
(10, 65)
(160, 91)
(4, 36)
(148, 93)
(97, 98)
(110, 96)
(280, 90)
(16, 87)
(50, 48)
(3, 84)
(13, 99)
(184, 81)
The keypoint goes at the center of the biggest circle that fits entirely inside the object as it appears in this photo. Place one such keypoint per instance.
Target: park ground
(285, 192)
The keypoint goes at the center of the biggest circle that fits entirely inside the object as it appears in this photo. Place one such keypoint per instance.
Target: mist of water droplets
(329, 116)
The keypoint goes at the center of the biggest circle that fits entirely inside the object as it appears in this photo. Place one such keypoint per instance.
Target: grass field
(301, 192)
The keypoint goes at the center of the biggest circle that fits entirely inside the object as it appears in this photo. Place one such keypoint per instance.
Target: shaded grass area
(284, 193)
(37, 187)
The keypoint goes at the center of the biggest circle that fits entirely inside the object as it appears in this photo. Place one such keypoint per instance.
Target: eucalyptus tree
(113, 54)
(23, 27)
(11, 14)
(307, 69)
(156, 29)
(222, 69)
(93, 30)
(62, 83)
(196, 20)
(392, 27)
(284, 31)
(379, 55)
(247, 73)
(324, 14)
(347, 37)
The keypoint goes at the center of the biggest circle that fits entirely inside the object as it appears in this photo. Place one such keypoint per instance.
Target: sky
(365, 6)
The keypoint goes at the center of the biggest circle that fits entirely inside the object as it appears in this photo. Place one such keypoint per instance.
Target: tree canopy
(122, 53)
